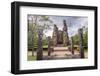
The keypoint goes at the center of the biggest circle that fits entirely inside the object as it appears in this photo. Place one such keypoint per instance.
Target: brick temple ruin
(60, 37)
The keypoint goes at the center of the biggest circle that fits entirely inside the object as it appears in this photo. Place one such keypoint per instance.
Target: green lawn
(30, 58)
(45, 46)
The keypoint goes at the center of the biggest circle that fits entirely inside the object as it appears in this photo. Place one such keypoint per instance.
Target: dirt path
(60, 55)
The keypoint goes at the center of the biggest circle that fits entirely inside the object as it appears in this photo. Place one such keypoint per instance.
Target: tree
(41, 28)
(85, 37)
(46, 21)
(34, 27)
(76, 39)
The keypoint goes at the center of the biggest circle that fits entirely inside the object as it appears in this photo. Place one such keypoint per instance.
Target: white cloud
(73, 23)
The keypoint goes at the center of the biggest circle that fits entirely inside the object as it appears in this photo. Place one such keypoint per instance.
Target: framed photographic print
(52, 37)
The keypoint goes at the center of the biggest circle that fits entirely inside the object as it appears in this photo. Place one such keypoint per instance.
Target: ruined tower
(55, 35)
(65, 34)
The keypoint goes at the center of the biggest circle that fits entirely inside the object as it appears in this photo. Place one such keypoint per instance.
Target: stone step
(61, 53)
(60, 48)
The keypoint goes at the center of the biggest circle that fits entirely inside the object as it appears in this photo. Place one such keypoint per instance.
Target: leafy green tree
(36, 23)
(76, 39)
(32, 28)
(85, 38)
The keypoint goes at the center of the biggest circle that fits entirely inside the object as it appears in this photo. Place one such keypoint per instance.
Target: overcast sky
(73, 23)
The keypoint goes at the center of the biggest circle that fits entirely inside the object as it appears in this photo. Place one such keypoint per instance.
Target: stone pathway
(62, 55)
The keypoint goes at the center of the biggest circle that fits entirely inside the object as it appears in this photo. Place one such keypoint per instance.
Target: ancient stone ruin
(59, 45)
(60, 37)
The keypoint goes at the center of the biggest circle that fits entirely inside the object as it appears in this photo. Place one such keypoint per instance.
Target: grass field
(31, 58)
